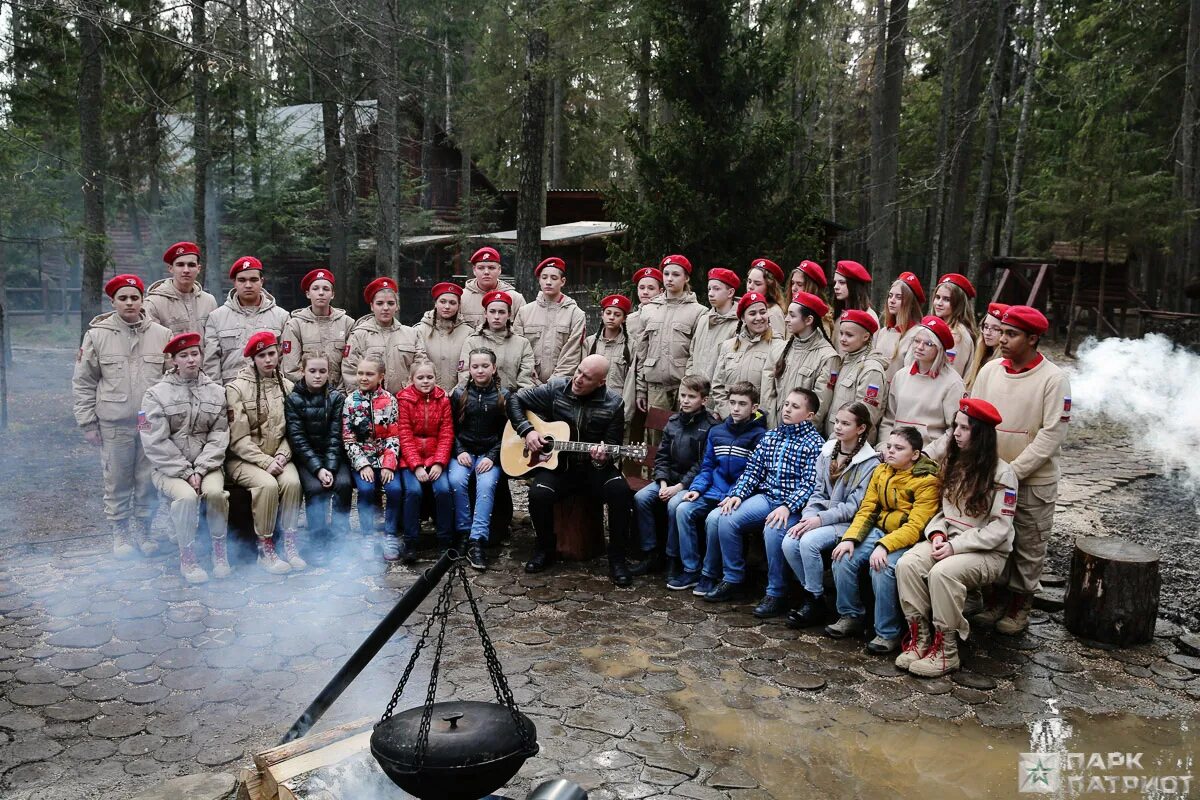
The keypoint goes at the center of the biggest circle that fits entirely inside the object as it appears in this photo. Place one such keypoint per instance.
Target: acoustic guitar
(516, 460)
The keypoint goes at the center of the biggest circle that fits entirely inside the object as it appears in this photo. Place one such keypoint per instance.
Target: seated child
(426, 432)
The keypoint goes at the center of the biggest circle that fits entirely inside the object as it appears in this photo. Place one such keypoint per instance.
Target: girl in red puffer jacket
(426, 437)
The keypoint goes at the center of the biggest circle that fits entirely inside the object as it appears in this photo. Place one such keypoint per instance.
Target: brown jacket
(470, 305)
(187, 429)
(116, 364)
(305, 332)
(229, 327)
(556, 333)
(810, 364)
(444, 348)
(712, 329)
(663, 349)
(257, 428)
(861, 378)
(397, 344)
(176, 312)
(753, 360)
(514, 358)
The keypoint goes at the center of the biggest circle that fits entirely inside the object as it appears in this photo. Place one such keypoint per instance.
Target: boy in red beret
(179, 303)
(485, 264)
(248, 308)
(718, 322)
(320, 328)
(668, 324)
(554, 324)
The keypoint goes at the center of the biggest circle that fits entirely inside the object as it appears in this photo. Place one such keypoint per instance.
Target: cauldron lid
(462, 733)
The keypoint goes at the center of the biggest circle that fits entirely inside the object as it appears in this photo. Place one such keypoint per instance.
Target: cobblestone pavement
(115, 676)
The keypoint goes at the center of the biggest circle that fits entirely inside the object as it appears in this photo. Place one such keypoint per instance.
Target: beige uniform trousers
(185, 505)
(1032, 524)
(128, 487)
(937, 590)
(269, 495)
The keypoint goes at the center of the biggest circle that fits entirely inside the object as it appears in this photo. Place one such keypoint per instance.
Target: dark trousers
(606, 483)
(317, 500)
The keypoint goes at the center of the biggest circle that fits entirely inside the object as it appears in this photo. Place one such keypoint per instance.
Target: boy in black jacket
(675, 465)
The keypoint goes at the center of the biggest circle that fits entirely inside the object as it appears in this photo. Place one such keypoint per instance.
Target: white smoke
(1151, 387)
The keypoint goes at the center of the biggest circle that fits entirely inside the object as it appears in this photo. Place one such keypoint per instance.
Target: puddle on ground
(798, 746)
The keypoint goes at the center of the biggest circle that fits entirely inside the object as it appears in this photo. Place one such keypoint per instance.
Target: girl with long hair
(925, 396)
(965, 546)
(765, 277)
(810, 277)
(514, 354)
(379, 334)
(442, 332)
(611, 340)
(952, 302)
(371, 439)
(808, 361)
(987, 345)
(900, 317)
(851, 292)
(749, 354)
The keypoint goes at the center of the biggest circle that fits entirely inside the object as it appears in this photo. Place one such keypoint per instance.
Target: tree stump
(579, 527)
(1112, 594)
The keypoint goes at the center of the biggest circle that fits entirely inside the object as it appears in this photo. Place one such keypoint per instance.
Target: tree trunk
(428, 132)
(531, 189)
(1019, 144)
(331, 130)
(91, 150)
(248, 100)
(200, 145)
(885, 133)
(556, 134)
(387, 143)
(464, 149)
(983, 190)
(1112, 595)
(941, 175)
(1189, 146)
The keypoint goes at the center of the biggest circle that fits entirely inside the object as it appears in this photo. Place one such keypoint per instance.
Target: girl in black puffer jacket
(314, 427)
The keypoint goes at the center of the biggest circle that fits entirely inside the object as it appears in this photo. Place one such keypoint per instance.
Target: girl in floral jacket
(369, 433)
(426, 429)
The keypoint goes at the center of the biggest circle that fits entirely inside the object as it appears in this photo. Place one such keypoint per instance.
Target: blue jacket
(783, 466)
(725, 454)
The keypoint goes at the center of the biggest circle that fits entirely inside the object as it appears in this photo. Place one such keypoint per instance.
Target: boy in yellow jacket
(902, 497)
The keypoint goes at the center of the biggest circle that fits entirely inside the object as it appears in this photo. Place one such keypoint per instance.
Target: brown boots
(291, 553)
(139, 532)
(916, 642)
(941, 657)
(1016, 615)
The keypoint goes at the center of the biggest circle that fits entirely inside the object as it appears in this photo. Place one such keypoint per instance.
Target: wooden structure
(1112, 595)
(274, 767)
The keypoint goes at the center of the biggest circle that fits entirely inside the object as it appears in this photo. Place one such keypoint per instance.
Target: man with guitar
(593, 414)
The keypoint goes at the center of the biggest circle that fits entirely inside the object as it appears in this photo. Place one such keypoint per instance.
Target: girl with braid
(260, 457)
(611, 340)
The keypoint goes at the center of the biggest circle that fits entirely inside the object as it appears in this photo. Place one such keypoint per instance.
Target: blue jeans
(485, 495)
(685, 545)
(806, 555)
(888, 618)
(368, 501)
(777, 565)
(724, 533)
(645, 503)
(443, 499)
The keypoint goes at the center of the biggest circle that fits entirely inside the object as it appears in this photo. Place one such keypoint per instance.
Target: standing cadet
(248, 308)
(810, 277)
(378, 334)
(486, 264)
(901, 314)
(862, 376)
(185, 436)
(808, 361)
(649, 284)
(1033, 397)
(611, 340)
(120, 358)
(953, 301)
(766, 278)
(662, 351)
(179, 303)
(320, 328)
(553, 323)
(750, 356)
(514, 355)
(716, 324)
(851, 292)
(441, 334)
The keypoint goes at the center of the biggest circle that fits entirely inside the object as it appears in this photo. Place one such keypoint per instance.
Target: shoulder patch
(142, 423)
(287, 346)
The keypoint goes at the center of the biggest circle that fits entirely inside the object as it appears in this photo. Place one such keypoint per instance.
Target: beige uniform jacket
(470, 305)
(922, 401)
(397, 344)
(893, 347)
(959, 357)
(178, 313)
(257, 429)
(810, 363)
(305, 332)
(116, 364)
(614, 351)
(753, 361)
(230, 327)
(712, 329)
(861, 379)
(989, 532)
(187, 429)
(556, 333)
(514, 358)
(444, 348)
(663, 349)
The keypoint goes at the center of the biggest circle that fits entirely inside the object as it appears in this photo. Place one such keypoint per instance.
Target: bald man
(597, 415)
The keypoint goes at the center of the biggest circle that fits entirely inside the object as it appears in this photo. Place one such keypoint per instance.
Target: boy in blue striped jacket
(771, 492)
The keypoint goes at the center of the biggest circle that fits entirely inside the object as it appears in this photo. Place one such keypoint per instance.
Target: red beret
(677, 260)
(244, 263)
(725, 276)
(1026, 318)
(552, 261)
(815, 273)
(939, 329)
(180, 249)
(259, 342)
(121, 281)
(860, 318)
(617, 301)
(446, 287)
(960, 281)
(485, 254)
(914, 283)
(497, 297)
(981, 410)
(997, 310)
(853, 269)
(767, 265)
(648, 272)
(314, 276)
(376, 286)
(812, 303)
(749, 299)
(181, 341)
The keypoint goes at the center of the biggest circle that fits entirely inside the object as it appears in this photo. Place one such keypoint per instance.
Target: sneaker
(391, 547)
(723, 592)
(684, 580)
(881, 645)
(475, 555)
(704, 586)
(770, 607)
(845, 626)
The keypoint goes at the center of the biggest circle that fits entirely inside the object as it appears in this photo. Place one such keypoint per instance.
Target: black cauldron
(473, 749)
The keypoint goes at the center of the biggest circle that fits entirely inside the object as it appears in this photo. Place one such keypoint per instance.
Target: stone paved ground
(115, 676)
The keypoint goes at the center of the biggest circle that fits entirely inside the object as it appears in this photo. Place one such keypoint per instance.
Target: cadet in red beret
(611, 340)
(809, 360)
(485, 263)
(863, 319)
(122, 281)
(952, 302)
(379, 334)
(259, 342)
(181, 342)
(180, 249)
(677, 260)
(319, 328)
(514, 355)
(245, 263)
(900, 316)
(649, 284)
(553, 324)
(553, 261)
(766, 278)
(497, 297)
(725, 276)
(926, 395)
(663, 349)
(442, 332)
(248, 308)
(960, 281)
(749, 354)
(717, 323)
(809, 277)
(488, 255)
(178, 302)
(987, 343)
(981, 410)
(862, 376)
(1025, 318)
(851, 291)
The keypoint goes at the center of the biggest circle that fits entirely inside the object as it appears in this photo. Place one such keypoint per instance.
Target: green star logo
(1038, 773)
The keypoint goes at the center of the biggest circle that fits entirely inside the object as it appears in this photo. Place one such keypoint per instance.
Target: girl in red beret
(861, 378)
(952, 303)
(808, 361)
(924, 395)
(987, 344)
(810, 277)
(717, 323)
(121, 356)
(442, 332)
(648, 282)
(612, 341)
(767, 280)
(426, 429)
(900, 317)
(379, 334)
(964, 548)
(748, 354)
(851, 292)
(514, 353)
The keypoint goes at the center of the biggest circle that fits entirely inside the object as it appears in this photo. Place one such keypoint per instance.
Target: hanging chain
(412, 660)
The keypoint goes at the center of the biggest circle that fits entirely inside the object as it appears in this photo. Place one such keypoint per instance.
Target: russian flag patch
(1010, 503)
